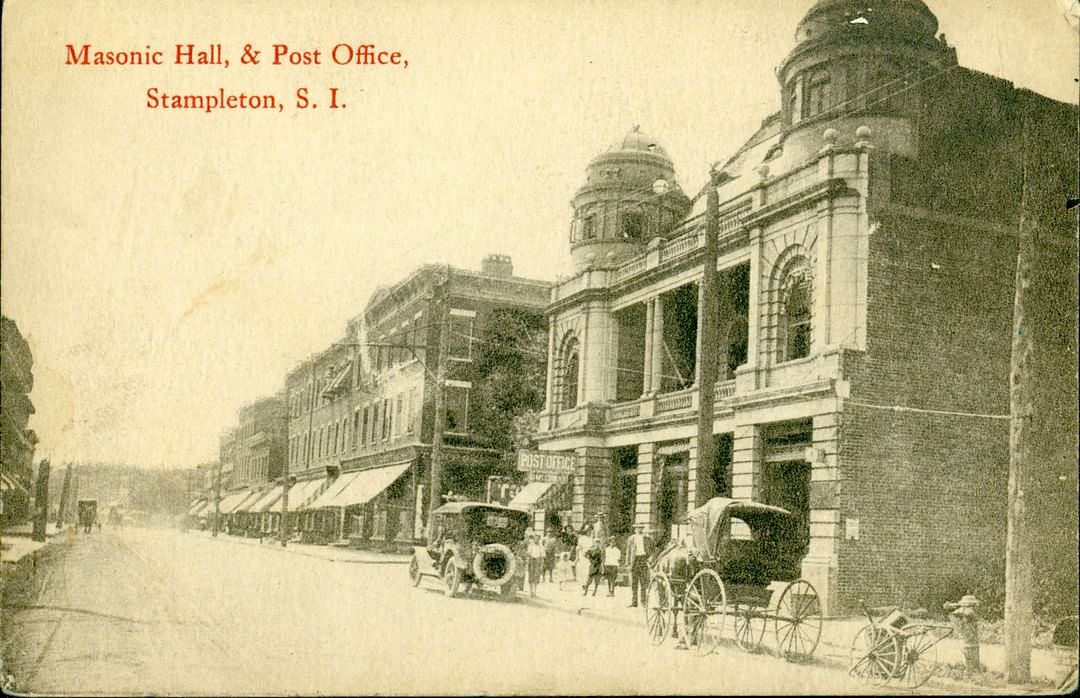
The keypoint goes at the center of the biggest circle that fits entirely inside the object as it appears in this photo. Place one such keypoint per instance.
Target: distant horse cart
(736, 551)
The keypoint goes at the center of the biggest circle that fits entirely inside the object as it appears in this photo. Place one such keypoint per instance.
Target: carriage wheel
(414, 571)
(749, 627)
(798, 621)
(658, 608)
(875, 655)
(704, 608)
(919, 654)
(451, 577)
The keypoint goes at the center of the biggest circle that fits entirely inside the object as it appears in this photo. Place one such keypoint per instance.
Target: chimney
(497, 265)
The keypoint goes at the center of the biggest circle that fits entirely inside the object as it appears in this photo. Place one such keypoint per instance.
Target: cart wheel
(704, 608)
(749, 627)
(658, 608)
(414, 571)
(875, 654)
(798, 621)
(451, 577)
(919, 653)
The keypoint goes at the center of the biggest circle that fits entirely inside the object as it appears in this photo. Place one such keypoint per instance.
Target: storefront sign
(549, 463)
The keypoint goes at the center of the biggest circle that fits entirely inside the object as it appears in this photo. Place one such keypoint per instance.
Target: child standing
(612, 556)
(595, 557)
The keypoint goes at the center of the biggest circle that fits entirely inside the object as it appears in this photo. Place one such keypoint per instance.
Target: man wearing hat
(638, 550)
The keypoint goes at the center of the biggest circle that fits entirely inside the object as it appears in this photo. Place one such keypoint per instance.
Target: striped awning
(230, 502)
(10, 484)
(300, 495)
(249, 501)
(540, 495)
(266, 501)
(194, 509)
(359, 487)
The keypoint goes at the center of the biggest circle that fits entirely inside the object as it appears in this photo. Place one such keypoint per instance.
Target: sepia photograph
(579, 347)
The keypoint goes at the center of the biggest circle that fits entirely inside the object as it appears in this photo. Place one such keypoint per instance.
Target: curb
(329, 558)
(831, 661)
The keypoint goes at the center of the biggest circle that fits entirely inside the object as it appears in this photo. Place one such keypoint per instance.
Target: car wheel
(451, 578)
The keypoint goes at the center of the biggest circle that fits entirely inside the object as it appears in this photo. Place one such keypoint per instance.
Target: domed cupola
(623, 204)
(864, 56)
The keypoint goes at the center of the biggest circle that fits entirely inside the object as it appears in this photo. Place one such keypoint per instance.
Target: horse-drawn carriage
(740, 558)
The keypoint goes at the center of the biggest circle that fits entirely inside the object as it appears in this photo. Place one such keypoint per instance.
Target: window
(364, 427)
(633, 225)
(400, 407)
(374, 421)
(457, 406)
(795, 99)
(387, 417)
(410, 425)
(796, 310)
(461, 337)
(355, 430)
(568, 385)
(588, 227)
(818, 93)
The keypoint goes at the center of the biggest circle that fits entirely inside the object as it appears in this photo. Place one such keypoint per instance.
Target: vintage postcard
(570, 347)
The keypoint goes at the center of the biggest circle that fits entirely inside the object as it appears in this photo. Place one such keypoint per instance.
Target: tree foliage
(511, 367)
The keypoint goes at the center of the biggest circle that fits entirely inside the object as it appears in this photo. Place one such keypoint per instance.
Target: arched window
(568, 374)
(818, 93)
(796, 311)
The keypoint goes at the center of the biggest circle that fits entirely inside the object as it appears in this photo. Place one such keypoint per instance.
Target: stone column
(647, 367)
(592, 483)
(821, 564)
(746, 462)
(643, 507)
(657, 354)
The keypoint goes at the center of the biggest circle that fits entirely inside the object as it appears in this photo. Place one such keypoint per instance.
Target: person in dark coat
(595, 556)
(638, 550)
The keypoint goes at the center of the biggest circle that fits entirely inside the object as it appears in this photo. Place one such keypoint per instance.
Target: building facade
(252, 456)
(867, 252)
(362, 415)
(17, 440)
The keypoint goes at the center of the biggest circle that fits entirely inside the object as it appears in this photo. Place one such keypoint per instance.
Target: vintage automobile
(476, 545)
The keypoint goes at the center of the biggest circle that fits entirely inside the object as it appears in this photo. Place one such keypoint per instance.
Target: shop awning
(202, 508)
(230, 502)
(360, 487)
(9, 484)
(300, 495)
(266, 501)
(530, 494)
(245, 506)
(196, 506)
(540, 495)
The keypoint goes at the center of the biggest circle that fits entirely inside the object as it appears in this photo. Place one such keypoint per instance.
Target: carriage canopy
(709, 523)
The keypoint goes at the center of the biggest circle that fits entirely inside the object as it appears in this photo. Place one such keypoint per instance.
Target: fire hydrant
(967, 627)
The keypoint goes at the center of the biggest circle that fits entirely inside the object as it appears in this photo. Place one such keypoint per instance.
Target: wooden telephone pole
(1019, 621)
(442, 302)
(707, 321)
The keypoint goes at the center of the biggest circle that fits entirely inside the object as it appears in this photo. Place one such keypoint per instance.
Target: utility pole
(286, 483)
(707, 330)
(441, 299)
(41, 502)
(64, 494)
(1018, 573)
(217, 499)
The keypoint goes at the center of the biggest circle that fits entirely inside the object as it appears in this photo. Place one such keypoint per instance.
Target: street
(159, 611)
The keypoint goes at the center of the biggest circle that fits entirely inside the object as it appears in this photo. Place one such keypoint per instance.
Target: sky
(168, 267)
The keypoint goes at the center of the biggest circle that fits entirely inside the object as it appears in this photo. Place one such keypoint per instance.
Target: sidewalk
(16, 543)
(833, 650)
(325, 552)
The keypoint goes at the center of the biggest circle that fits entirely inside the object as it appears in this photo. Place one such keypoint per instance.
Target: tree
(511, 368)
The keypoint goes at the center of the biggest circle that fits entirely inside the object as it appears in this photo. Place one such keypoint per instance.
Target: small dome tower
(622, 204)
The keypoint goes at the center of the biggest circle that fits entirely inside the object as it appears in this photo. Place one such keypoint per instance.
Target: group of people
(594, 557)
